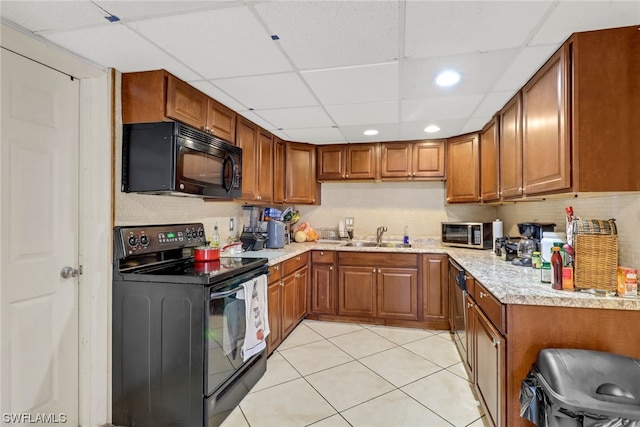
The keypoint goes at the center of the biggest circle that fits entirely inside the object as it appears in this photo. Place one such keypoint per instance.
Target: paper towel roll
(497, 232)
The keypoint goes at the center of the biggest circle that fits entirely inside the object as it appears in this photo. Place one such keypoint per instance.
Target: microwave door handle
(228, 162)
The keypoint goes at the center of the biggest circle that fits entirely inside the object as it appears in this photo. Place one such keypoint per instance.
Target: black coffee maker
(531, 234)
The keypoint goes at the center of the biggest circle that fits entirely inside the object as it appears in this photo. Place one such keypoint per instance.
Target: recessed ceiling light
(431, 129)
(448, 78)
(370, 132)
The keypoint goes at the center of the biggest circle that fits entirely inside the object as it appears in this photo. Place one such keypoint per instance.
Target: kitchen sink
(376, 245)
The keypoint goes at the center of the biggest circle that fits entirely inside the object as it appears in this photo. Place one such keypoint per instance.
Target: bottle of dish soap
(215, 238)
(406, 235)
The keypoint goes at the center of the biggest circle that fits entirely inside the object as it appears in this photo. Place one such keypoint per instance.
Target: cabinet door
(361, 161)
(357, 291)
(323, 289)
(289, 308)
(332, 162)
(221, 121)
(463, 177)
(511, 148)
(302, 280)
(278, 170)
(435, 289)
(264, 165)
(186, 104)
(395, 159)
(469, 333)
(301, 173)
(247, 139)
(489, 372)
(428, 159)
(397, 293)
(490, 162)
(274, 303)
(545, 128)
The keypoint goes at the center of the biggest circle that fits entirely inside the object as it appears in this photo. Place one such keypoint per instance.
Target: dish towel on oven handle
(255, 291)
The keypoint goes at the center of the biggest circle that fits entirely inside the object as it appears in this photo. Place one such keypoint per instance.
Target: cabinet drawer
(293, 264)
(275, 273)
(385, 259)
(494, 310)
(323, 256)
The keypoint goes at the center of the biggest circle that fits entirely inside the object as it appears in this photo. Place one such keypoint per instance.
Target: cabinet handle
(469, 305)
(331, 268)
(321, 253)
(297, 276)
(496, 343)
(347, 175)
(297, 258)
(483, 295)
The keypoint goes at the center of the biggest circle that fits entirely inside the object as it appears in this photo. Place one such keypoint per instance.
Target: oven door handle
(218, 295)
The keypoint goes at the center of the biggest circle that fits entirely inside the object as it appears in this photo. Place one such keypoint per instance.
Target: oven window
(452, 233)
(201, 167)
(225, 337)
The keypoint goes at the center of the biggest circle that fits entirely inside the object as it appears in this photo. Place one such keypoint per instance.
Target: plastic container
(546, 243)
(574, 387)
(536, 260)
(545, 272)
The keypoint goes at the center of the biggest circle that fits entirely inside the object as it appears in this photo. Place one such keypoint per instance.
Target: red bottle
(556, 269)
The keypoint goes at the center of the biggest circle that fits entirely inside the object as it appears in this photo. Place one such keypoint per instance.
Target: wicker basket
(596, 255)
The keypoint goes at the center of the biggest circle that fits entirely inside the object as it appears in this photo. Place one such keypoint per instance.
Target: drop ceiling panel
(53, 15)
(492, 102)
(270, 91)
(418, 75)
(432, 109)
(359, 114)
(295, 118)
(251, 115)
(387, 132)
(473, 125)
(214, 92)
(325, 34)
(316, 135)
(131, 10)
(220, 43)
(441, 28)
(585, 16)
(415, 130)
(524, 66)
(352, 85)
(118, 47)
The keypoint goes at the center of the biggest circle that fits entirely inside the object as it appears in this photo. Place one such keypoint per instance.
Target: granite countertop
(510, 284)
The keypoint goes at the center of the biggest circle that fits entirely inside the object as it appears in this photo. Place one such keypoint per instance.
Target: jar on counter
(545, 272)
(536, 260)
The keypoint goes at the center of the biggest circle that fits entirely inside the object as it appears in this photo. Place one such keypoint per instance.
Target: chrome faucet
(379, 233)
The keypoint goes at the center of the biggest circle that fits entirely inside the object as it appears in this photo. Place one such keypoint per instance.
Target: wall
(624, 207)
(420, 205)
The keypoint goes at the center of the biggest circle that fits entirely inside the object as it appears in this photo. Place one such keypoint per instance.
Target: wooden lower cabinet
(397, 293)
(356, 291)
(274, 305)
(323, 283)
(435, 290)
(490, 359)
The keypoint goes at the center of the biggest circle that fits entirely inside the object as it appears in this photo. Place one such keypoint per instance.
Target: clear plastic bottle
(215, 238)
(556, 269)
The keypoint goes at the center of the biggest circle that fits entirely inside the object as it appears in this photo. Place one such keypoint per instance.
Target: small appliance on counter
(477, 235)
(253, 238)
(276, 232)
(531, 234)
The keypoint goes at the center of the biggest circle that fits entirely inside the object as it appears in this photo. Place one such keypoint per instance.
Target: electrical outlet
(348, 222)
(232, 225)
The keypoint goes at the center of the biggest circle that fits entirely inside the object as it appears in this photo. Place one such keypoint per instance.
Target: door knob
(68, 272)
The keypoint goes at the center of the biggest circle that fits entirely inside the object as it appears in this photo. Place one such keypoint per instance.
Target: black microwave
(175, 159)
(476, 235)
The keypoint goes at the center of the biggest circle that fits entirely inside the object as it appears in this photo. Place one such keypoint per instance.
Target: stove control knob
(133, 240)
(144, 240)
(201, 233)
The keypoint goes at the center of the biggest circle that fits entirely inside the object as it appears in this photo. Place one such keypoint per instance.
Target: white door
(39, 236)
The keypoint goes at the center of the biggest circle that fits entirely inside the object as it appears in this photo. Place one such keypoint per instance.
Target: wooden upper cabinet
(413, 160)
(546, 156)
(300, 177)
(347, 161)
(490, 162)
(221, 121)
(279, 171)
(510, 137)
(257, 161)
(428, 159)
(463, 178)
(156, 96)
(332, 162)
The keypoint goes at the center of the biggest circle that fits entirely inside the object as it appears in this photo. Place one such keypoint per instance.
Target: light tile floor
(328, 374)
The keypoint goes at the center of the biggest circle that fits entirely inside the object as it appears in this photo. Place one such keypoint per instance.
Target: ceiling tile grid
(324, 71)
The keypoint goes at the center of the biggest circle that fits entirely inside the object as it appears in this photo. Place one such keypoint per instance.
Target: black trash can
(572, 388)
